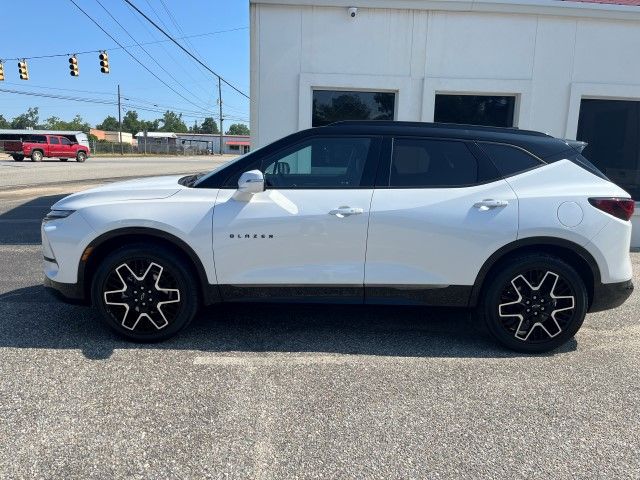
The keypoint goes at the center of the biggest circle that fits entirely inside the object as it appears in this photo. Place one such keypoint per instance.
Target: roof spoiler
(577, 144)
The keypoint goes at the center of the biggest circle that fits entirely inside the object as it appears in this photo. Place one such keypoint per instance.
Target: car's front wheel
(145, 293)
(535, 303)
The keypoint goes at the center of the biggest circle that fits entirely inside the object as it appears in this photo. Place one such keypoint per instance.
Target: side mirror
(251, 182)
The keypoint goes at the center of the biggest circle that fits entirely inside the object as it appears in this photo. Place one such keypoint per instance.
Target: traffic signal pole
(120, 121)
(220, 112)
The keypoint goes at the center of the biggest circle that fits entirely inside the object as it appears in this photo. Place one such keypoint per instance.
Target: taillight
(621, 208)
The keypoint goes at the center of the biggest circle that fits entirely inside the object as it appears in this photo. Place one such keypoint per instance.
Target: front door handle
(342, 212)
(490, 203)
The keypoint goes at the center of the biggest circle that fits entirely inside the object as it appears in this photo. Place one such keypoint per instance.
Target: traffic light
(1, 72)
(23, 70)
(73, 66)
(104, 62)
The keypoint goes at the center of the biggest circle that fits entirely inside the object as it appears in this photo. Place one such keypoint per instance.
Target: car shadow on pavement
(21, 225)
(31, 317)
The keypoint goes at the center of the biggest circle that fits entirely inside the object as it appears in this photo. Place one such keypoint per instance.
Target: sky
(58, 27)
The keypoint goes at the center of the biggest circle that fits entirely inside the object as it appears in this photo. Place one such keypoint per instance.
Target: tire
(18, 158)
(127, 277)
(36, 156)
(81, 156)
(64, 159)
(534, 303)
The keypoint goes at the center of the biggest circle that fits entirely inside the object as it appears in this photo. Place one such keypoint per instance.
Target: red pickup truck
(39, 146)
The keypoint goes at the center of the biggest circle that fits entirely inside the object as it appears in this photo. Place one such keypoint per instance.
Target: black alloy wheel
(145, 293)
(535, 303)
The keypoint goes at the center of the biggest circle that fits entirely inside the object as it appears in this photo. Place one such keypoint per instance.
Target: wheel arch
(572, 253)
(107, 242)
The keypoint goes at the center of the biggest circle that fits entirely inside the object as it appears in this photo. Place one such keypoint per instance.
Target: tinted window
(54, 140)
(332, 106)
(65, 141)
(36, 139)
(509, 160)
(488, 110)
(319, 163)
(612, 130)
(432, 163)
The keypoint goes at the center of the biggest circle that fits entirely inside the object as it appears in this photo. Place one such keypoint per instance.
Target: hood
(141, 189)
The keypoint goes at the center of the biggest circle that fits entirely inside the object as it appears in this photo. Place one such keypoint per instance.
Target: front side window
(319, 163)
(424, 163)
(54, 141)
(487, 110)
(331, 106)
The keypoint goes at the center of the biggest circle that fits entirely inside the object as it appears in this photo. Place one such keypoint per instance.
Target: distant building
(157, 142)
(112, 136)
(231, 144)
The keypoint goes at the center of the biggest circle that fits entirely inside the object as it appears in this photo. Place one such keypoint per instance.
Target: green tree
(172, 122)
(76, 124)
(238, 129)
(209, 125)
(3, 122)
(26, 120)
(131, 123)
(110, 124)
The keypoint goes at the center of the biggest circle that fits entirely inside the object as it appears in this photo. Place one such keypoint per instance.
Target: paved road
(18, 174)
(302, 392)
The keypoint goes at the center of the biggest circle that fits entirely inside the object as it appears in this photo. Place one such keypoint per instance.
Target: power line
(133, 56)
(148, 54)
(55, 55)
(184, 49)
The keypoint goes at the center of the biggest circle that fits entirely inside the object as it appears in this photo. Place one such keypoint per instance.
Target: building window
(489, 110)
(333, 106)
(611, 129)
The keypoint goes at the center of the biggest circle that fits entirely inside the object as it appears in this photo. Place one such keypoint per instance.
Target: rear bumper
(610, 295)
(68, 292)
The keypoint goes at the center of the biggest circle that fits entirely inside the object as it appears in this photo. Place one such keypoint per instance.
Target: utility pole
(120, 121)
(220, 105)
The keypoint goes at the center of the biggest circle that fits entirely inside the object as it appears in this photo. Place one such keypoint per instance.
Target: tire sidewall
(81, 157)
(36, 156)
(168, 260)
(491, 300)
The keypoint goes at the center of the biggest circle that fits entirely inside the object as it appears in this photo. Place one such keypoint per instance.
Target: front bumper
(610, 295)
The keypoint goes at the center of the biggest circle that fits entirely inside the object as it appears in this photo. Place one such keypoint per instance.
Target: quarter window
(509, 160)
(423, 163)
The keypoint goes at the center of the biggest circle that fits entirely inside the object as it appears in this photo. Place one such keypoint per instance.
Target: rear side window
(424, 163)
(509, 160)
(54, 140)
(36, 139)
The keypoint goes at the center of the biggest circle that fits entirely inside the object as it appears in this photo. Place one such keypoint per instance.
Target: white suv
(513, 222)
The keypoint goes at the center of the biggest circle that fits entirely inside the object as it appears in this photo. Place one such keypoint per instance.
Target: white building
(567, 68)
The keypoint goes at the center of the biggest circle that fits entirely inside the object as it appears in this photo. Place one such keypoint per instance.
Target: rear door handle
(342, 212)
(490, 203)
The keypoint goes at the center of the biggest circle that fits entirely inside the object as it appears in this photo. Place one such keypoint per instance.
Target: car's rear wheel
(18, 158)
(535, 303)
(36, 156)
(81, 156)
(144, 293)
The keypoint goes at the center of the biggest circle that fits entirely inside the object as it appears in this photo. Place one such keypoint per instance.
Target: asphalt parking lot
(259, 391)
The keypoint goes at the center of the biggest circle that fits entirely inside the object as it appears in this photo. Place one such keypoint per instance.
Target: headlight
(57, 214)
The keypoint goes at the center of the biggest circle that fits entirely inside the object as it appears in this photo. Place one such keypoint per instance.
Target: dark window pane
(65, 141)
(509, 160)
(432, 163)
(319, 163)
(485, 110)
(612, 130)
(333, 106)
(54, 140)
